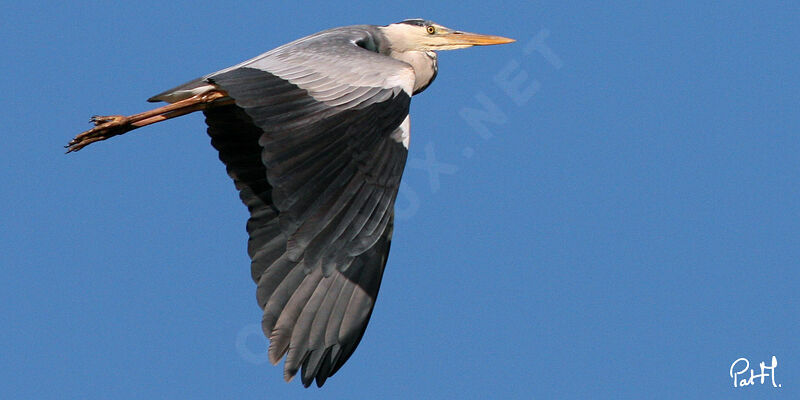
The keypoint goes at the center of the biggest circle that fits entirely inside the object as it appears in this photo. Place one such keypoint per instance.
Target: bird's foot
(104, 128)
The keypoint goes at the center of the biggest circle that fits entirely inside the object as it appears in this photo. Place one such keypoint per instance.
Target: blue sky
(623, 223)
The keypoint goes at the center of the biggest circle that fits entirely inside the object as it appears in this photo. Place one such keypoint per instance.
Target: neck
(424, 64)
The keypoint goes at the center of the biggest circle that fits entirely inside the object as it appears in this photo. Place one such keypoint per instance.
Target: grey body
(316, 144)
(332, 60)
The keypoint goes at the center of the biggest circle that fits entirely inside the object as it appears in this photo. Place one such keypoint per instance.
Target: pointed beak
(459, 38)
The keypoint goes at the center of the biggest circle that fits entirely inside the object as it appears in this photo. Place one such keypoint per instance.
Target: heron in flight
(315, 135)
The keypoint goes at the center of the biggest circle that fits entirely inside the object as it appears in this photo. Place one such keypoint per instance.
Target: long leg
(113, 125)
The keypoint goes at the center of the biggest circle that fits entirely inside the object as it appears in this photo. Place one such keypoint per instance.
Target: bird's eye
(431, 29)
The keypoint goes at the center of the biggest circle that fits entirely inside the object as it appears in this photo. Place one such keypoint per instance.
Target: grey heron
(315, 135)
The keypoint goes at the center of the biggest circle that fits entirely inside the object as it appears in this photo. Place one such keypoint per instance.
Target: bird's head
(423, 35)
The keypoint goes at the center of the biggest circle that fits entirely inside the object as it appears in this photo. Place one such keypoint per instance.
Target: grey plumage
(320, 175)
(315, 136)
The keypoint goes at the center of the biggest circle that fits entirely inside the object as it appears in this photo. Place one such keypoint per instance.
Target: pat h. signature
(741, 366)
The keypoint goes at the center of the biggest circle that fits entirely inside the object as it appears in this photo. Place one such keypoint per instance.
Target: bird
(315, 135)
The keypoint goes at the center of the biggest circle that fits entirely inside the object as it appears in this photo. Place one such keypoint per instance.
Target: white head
(422, 35)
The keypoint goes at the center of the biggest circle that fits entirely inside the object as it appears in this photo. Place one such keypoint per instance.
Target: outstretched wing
(316, 143)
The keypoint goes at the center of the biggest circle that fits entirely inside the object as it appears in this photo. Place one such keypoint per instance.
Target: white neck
(424, 64)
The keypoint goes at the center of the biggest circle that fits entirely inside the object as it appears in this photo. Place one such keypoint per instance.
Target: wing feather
(311, 144)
